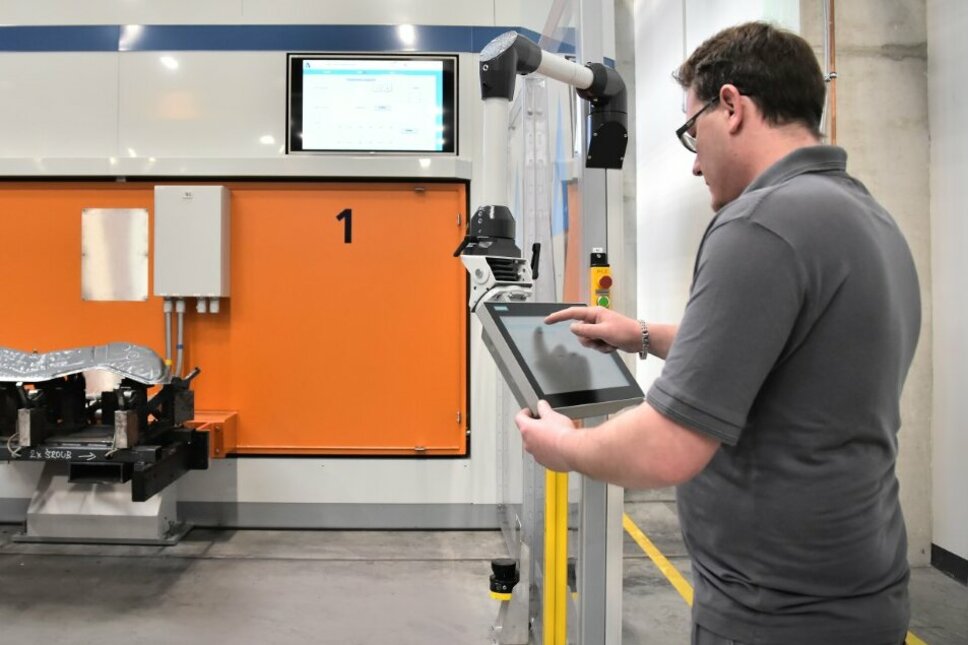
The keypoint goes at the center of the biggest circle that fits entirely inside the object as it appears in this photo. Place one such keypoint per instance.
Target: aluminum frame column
(600, 532)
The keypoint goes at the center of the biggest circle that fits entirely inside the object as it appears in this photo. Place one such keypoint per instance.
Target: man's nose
(696, 168)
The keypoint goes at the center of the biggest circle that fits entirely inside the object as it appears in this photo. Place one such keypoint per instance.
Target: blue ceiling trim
(81, 38)
(257, 38)
(344, 38)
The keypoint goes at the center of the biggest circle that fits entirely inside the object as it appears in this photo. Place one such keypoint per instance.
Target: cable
(168, 310)
(15, 453)
(829, 116)
(180, 343)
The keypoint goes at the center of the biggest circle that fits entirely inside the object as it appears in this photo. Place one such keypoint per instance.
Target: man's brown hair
(776, 68)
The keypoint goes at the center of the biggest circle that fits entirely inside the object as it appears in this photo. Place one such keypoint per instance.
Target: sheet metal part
(114, 254)
(131, 361)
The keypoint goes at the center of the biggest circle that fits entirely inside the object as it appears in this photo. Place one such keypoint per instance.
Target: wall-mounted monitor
(372, 104)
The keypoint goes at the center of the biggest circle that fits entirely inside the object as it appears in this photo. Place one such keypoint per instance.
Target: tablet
(541, 361)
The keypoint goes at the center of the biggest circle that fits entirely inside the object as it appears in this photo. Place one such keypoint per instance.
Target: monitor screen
(558, 362)
(542, 361)
(372, 104)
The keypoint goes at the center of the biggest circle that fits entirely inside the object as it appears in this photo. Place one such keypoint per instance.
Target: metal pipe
(831, 23)
(180, 343)
(829, 119)
(167, 309)
(564, 70)
(496, 146)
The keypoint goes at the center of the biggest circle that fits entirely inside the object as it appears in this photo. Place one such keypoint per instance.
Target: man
(776, 413)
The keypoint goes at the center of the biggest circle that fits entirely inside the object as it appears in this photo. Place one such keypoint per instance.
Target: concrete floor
(654, 613)
(339, 587)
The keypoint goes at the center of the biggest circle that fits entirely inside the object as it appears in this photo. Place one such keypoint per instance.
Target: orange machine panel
(342, 335)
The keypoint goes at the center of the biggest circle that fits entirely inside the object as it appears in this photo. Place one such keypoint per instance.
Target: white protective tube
(168, 307)
(180, 336)
(496, 146)
(562, 69)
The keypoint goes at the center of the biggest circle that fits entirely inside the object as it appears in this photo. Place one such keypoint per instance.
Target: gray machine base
(88, 513)
(313, 516)
(178, 531)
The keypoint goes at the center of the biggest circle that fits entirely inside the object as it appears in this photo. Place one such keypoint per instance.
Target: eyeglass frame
(683, 131)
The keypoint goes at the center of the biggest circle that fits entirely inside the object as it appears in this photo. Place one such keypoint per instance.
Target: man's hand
(601, 328)
(542, 435)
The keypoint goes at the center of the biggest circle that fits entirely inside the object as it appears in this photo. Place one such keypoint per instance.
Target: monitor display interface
(542, 361)
(372, 104)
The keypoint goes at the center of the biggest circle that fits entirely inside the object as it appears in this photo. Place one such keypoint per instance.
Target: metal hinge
(460, 219)
(420, 449)
(458, 417)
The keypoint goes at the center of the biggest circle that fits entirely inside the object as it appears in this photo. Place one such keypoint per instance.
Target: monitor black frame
(294, 96)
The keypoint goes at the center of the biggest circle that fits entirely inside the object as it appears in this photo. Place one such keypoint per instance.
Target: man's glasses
(686, 137)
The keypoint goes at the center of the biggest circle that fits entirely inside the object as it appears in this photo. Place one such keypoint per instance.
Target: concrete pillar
(882, 121)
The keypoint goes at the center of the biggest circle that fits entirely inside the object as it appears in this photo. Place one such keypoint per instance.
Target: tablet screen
(558, 361)
(542, 361)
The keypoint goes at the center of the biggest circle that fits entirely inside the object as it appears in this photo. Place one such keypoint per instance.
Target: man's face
(713, 149)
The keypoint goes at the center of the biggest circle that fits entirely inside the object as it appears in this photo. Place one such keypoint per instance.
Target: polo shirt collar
(820, 158)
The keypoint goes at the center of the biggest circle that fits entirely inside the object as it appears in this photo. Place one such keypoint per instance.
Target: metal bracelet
(644, 352)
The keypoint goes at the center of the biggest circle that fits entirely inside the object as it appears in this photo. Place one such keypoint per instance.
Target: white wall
(947, 24)
(129, 114)
(673, 206)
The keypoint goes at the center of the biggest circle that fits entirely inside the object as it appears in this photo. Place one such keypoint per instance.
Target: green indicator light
(603, 301)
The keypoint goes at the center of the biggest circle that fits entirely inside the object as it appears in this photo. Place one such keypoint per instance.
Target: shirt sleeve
(746, 296)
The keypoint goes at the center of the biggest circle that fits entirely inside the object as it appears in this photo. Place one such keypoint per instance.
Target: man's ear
(736, 109)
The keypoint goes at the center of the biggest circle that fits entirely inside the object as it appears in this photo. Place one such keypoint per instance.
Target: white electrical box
(192, 241)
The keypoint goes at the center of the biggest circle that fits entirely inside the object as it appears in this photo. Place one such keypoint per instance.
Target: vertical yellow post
(561, 560)
(555, 597)
(549, 606)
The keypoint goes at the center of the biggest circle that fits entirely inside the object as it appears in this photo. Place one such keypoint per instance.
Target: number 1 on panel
(346, 216)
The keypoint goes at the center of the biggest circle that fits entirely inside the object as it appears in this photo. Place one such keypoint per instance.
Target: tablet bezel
(576, 404)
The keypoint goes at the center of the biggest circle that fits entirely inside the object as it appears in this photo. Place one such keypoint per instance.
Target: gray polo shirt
(801, 325)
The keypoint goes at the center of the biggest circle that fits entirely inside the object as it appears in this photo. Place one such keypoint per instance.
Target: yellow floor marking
(675, 578)
(670, 572)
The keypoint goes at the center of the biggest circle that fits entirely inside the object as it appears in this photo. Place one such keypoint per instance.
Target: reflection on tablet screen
(558, 360)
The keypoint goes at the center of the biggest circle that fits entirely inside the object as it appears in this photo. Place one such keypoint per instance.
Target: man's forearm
(638, 449)
(660, 338)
